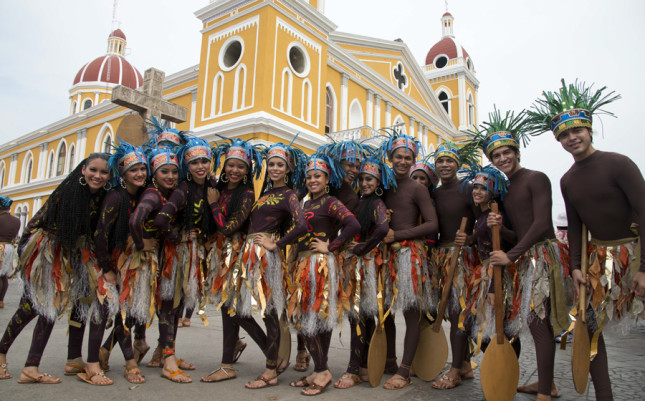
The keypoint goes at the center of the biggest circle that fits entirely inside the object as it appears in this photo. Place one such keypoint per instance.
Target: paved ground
(202, 346)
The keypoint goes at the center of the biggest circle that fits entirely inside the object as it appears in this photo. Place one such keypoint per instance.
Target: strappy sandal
(155, 361)
(134, 376)
(87, 376)
(351, 378)
(4, 372)
(302, 382)
(140, 351)
(223, 369)
(43, 378)
(73, 367)
(317, 388)
(279, 370)
(175, 373)
(267, 382)
(104, 357)
(186, 365)
(446, 382)
(302, 363)
(391, 384)
(240, 346)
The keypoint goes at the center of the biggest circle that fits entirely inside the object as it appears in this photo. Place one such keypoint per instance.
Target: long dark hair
(68, 207)
(364, 214)
(234, 204)
(207, 224)
(118, 236)
(267, 185)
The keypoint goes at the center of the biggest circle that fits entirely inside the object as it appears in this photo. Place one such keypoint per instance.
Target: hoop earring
(189, 177)
(107, 186)
(326, 189)
(81, 180)
(245, 180)
(377, 191)
(154, 182)
(286, 179)
(224, 178)
(122, 182)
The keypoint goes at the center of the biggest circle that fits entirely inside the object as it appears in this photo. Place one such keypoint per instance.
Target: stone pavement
(202, 346)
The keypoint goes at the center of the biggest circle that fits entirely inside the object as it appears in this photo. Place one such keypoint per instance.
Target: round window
(231, 53)
(298, 59)
(441, 61)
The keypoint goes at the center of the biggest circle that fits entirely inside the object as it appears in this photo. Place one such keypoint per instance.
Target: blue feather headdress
(251, 154)
(494, 180)
(293, 156)
(428, 168)
(194, 148)
(124, 157)
(5, 202)
(377, 168)
(329, 166)
(158, 157)
(163, 136)
(395, 140)
(354, 151)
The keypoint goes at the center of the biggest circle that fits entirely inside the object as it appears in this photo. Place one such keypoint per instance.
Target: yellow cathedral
(268, 69)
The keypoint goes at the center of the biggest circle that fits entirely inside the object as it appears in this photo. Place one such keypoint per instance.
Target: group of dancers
(351, 230)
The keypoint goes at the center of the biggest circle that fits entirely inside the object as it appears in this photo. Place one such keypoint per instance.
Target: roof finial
(446, 1)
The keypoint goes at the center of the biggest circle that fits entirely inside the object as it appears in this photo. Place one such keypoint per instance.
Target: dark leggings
(121, 334)
(76, 332)
(599, 370)
(188, 313)
(269, 343)
(542, 332)
(359, 344)
(168, 320)
(410, 341)
(318, 346)
(390, 334)
(231, 333)
(301, 342)
(458, 341)
(4, 286)
(19, 320)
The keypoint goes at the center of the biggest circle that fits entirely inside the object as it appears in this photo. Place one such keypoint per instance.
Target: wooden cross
(147, 103)
(399, 75)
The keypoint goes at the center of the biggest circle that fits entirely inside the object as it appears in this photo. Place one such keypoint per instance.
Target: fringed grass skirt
(313, 293)
(138, 281)
(181, 273)
(257, 280)
(8, 260)
(223, 254)
(407, 285)
(358, 289)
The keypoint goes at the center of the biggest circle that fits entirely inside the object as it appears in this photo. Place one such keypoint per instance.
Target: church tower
(94, 82)
(451, 72)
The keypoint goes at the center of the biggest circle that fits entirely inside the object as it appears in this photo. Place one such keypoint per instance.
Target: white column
(12, 169)
(344, 92)
(369, 115)
(388, 114)
(412, 120)
(377, 112)
(81, 139)
(463, 104)
(96, 98)
(193, 107)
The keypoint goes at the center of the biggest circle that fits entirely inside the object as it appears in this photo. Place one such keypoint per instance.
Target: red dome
(118, 34)
(449, 47)
(446, 14)
(121, 72)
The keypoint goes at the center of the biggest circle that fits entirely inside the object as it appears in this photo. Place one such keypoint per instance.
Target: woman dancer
(183, 250)
(230, 202)
(129, 169)
(425, 174)
(271, 216)
(55, 240)
(312, 304)
(361, 269)
(10, 226)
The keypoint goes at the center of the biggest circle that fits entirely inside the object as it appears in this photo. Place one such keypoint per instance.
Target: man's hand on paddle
(499, 258)
(578, 280)
(462, 239)
(638, 285)
(494, 219)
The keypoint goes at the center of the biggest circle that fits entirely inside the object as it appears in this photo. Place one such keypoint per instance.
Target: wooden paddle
(432, 350)
(377, 354)
(581, 349)
(500, 369)
(284, 349)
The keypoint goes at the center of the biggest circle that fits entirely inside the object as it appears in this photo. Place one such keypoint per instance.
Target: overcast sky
(518, 47)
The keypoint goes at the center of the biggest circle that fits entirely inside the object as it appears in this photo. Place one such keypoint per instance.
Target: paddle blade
(376, 357)
(500, 371)
(284, 350)
(432, 353)
(580, 356)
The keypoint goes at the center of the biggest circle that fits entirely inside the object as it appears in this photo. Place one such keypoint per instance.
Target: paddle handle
(582, 302)
(497, 282)
(450, 274)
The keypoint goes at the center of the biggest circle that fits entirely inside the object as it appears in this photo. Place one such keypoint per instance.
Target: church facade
(268, 69)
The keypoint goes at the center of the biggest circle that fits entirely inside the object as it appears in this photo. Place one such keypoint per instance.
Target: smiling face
(506, 159)
(235, 170)
(367, 184)
(166, 177)
(199, 169)
(446, 168)
(421, 177)
(316, 182)
(577, 141)
(96, 174)
(402, 161)
(480, 195)
(277, 169)
(135, 177)
(351, 170)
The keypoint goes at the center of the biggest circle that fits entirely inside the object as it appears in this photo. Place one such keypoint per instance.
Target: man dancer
(537, 252)
(606, 192)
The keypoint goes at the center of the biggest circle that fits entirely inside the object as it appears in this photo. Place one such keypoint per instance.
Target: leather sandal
(104, 357)
(350, 378)
(302, 363)
(87, 376)
(185, 365)
(140, 350)
(397, 383)
(224, 369)
(240, 346)
(446, 382)
(4, 372)
(134, 376)
(74, 366)
(316, 388)
(174, 373)
(267, 382)
(43, 378)
(302, 382)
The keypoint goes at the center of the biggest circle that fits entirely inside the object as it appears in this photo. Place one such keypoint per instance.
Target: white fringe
(139, 310)
(368, 305)
(7, 267)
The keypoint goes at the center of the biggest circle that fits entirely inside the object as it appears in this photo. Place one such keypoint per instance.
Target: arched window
(60, 162)
(355, 115)
(445, 101)
(107, 144)
(50, 165)
(329, 110)
(28, 170)
(471, 110)
(2, 176)
(72, 155)
(87, 104)
(305, 111)
(286, 91)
